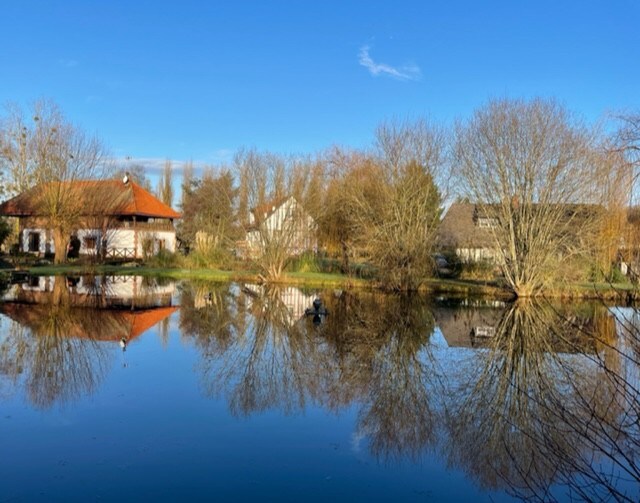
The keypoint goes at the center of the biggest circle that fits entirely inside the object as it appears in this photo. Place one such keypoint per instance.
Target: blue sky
(197, 80)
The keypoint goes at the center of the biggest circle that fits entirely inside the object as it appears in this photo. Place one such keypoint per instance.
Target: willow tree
(530, 167)
(49, 152)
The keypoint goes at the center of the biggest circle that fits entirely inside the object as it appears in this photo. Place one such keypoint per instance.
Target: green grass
(457, 287)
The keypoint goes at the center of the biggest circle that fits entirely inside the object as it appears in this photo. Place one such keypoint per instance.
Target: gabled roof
(108, 197)
(458, 228)
(264, 211)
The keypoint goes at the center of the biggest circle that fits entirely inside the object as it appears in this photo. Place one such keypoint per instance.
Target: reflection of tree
(250, 350)
(55, 346)
(371, 348)
(207, 315)
(540, 410)
(54, 366)
(397, 414)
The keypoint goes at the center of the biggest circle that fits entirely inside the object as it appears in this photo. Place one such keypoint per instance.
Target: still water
(130, 388)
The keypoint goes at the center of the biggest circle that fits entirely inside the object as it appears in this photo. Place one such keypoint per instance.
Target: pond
(129, 388)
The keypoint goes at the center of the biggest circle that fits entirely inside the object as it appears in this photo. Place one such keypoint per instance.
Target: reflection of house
(467, 327)
(293, 299)
(489, 326)
(94, 291)
(112, 325)
(119, 218)
(283, 223)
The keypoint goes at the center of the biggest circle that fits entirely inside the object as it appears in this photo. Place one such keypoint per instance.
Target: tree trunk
(61, 242)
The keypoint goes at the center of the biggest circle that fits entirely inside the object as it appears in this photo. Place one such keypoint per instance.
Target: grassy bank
(434, 286)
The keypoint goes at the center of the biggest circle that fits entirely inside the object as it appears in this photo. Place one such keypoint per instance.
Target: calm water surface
(124, 388)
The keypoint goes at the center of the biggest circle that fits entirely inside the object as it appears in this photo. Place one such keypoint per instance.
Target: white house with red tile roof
(118, 218)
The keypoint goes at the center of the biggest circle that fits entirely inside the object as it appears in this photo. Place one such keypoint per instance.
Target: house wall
(161, 240)
(289, 217)
(121, 240)
(82, 234)
(116, 240)
(469, 255)
(122, 287)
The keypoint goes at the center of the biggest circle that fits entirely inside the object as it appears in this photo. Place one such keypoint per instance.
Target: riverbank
(433, 286)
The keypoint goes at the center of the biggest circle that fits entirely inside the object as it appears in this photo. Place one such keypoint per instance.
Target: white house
(282, 222)
(116, 218)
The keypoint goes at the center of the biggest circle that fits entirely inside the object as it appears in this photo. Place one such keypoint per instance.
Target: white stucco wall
(118, 239)
(168, 237)
(123, 287)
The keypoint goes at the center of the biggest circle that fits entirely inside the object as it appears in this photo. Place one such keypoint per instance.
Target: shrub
(214, 258)
(482, 270)
(306, 262)
(164, 259)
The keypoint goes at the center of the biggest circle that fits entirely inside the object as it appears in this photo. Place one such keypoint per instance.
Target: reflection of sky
(148, 431)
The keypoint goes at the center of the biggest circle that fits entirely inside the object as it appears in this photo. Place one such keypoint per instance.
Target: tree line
(523, 162)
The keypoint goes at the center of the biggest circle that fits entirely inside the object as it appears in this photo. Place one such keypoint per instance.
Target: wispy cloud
(404, 72)
(153, 166)
(150, 164)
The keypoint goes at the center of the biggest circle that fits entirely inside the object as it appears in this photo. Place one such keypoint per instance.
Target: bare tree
(529, 164)
(17, 140)
(276, 236)
(53, 154)
(627, 138)
(337, 225)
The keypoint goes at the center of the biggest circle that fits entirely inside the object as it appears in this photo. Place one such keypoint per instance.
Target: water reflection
(535, 398)
(261, 352)
(538, 407)
(59, 343)
(255, 347)
(381, 344)
(535, 401)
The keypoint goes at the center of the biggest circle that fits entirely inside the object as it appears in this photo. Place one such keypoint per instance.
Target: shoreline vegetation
(432, 286)
(521, 199)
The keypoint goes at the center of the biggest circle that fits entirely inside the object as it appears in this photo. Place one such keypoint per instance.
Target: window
(90, 242)
(487, 223)
(34, 241)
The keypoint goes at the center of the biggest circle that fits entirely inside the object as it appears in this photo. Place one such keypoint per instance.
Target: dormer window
(487, 223)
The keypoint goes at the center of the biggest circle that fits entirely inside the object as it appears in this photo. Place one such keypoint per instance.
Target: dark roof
(458, 228)
(108, 197)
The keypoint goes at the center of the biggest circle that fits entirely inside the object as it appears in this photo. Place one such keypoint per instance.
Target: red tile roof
(141, 321)
(82, 323)
(108, 197)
